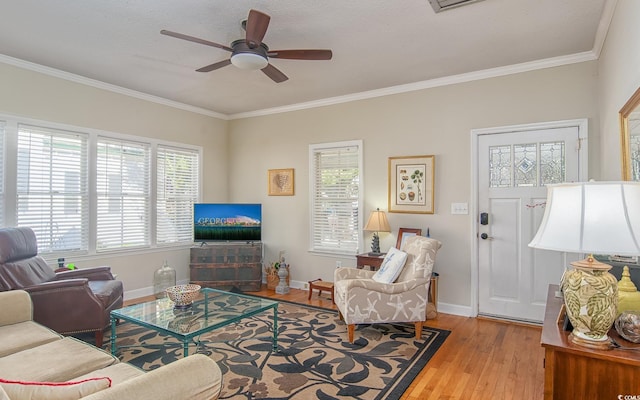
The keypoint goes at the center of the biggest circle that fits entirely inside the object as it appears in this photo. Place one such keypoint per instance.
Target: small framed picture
(281, 182)
(404, 233)
(411, 187)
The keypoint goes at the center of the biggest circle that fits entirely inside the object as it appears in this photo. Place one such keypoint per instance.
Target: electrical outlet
(338, 264)
(306, 286)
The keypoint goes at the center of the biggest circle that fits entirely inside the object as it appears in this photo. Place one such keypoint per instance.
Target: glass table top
(213, 309)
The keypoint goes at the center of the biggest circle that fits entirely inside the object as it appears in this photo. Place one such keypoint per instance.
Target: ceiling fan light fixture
(250, 61)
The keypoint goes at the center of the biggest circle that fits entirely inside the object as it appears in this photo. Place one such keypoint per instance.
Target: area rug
(314, 358)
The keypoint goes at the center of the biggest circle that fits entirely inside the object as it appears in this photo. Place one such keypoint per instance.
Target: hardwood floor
(481, 359)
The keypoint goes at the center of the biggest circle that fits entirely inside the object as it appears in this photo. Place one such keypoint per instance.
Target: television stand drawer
(228, 265)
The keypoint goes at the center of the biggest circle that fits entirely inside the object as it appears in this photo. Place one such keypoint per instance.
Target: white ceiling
(376, 44)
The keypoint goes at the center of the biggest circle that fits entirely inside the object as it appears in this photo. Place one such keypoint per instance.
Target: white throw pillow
(391, 266)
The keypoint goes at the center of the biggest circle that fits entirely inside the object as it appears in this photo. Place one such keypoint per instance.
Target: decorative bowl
(628, 325)
(183, 295)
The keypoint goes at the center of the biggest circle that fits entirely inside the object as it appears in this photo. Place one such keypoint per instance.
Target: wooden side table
(374, 263)
(573, 372)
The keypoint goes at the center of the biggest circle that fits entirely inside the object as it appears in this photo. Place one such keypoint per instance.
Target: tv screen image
(227, 222)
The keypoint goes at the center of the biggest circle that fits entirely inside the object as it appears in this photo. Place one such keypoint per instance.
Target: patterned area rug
(314, 361)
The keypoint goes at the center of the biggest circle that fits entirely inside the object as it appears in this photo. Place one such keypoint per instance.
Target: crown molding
(432, 83)
(410, 87)
(603, 27)
(107, 86)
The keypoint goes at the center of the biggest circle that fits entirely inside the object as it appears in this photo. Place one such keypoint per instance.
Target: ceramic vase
(591, 301)
(283, 287)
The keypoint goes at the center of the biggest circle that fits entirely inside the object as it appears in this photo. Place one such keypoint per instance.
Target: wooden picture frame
(411, 184)
(281, 182)
(404, 233)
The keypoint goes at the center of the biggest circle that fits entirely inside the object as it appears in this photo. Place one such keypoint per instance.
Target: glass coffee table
(213, 310)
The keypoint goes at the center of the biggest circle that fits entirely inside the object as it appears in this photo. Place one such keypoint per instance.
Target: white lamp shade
(591, 217)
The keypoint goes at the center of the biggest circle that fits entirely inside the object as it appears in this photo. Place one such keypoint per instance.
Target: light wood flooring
(481, 359)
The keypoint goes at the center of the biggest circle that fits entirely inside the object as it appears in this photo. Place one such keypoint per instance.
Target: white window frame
(115, 198)
(48, 160)
(183, 198)
(8, 206)
(320, 246)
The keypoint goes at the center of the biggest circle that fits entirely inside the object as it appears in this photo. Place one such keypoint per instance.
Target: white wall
(434, 121)
(237, 154)
(619, 67)
(38, 96)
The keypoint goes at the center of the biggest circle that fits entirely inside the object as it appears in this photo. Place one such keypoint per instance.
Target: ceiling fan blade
(214, 66)
(301, 54)
(274, 73)
(195, 39)
(257, 25)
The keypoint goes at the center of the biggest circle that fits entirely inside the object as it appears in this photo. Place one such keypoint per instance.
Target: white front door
(513, 167)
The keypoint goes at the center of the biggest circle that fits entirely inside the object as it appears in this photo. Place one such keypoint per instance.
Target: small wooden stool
(321, 285)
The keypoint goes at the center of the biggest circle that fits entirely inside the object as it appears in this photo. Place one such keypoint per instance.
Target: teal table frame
(216, 310)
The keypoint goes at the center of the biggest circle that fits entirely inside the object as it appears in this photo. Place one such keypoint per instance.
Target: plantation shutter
(122, 185)
(52, 190)
(336, 202)
(177, 190)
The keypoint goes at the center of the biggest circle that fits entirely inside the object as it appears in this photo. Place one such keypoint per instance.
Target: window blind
(123, 203)
(335, 197)
(52, 194)
(177, 188)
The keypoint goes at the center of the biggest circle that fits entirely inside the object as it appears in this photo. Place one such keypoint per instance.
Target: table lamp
(591, 218)
(377, 223)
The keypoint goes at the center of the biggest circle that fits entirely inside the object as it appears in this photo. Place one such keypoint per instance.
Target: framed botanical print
(411, 184)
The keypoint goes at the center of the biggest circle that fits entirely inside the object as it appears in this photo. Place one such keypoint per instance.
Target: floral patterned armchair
(361, 300)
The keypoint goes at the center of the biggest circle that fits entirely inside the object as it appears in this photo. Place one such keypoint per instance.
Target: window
(336, 201)
(123, 201)
(52, 195)
(176, 191)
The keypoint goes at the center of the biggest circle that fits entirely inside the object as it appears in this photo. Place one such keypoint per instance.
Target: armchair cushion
(391, 266)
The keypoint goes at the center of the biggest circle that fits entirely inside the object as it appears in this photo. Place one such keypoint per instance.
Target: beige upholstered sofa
(362, 300)
(34, 358)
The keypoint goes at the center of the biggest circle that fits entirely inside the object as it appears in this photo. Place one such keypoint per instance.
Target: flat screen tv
(227, 222)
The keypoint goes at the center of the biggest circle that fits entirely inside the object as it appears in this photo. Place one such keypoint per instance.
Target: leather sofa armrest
(195, 377)
(16, 307)
(49, 296)
(91, 273)
(55, 285)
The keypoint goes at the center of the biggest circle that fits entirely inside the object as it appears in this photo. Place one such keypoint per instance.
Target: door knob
(484, 236)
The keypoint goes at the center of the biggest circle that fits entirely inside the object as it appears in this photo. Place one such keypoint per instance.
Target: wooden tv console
(227, 265)
(573, 372)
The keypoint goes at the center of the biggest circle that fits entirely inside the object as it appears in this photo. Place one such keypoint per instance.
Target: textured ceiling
(376, 44)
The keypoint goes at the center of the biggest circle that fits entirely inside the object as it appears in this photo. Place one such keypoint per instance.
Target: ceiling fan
(250, 52)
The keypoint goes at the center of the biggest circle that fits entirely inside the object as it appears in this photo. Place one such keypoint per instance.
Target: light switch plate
(460, 208)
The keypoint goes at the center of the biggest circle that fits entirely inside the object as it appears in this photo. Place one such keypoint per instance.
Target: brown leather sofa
(68, 302)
